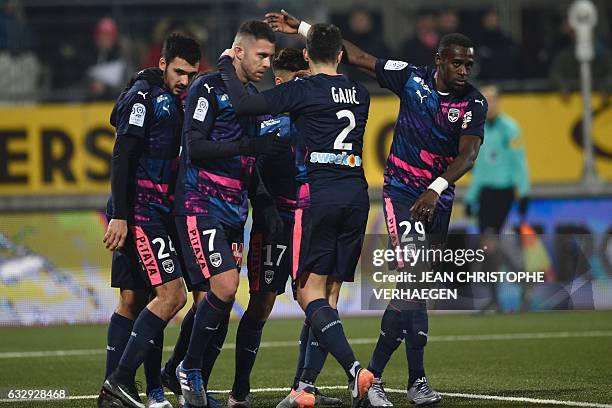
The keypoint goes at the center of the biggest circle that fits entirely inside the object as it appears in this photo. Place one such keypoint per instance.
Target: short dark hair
(324, 42)
(182, 46)
(257, 29)
(289, 59)
(455, 39)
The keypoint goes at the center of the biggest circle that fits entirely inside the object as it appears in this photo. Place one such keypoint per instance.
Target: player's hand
(274, 223)
(269, 144)
(229, 52)
(115, 234)
(282, 22)
(423, 209)
(153, 76)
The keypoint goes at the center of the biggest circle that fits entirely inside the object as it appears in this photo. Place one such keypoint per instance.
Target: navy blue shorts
(147, 259)
(269, 262)
(327, 240)
(404, 231)
(208, 248)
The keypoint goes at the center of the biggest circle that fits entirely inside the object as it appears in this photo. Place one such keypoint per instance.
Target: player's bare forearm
(468, 151)
(359, 58)
(284, 22)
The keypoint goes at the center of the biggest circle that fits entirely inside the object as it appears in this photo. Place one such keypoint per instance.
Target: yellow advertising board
(59, 148)
(66, 148)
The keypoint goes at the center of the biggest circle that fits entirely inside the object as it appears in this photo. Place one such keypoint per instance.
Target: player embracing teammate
(436, 140)
(329, 112)
(437, 135)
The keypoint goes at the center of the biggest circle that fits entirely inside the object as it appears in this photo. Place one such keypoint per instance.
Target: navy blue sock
(416, 328)
(214, 349)
(182, 342)
(389, 340)
(119, 330)
(303, 343)
(211, 311)
(146, 329)
(328, 330)
(248, 338)
(152, 364)
(314, 360)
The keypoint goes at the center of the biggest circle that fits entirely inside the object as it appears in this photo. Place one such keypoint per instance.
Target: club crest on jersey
(200, 111)
(168, 265)
(215, 259)
(453, 115)
(138, 114)
(269, 276)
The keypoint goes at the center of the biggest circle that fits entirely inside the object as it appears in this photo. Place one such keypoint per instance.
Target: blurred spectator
(152, 55)
(161, 31)
(501, 168)
(448, 22)
(110, 69)
(565, 69)
(362, 31)
(19, 64)
(421, 48)
(362, 27)
(497, 53)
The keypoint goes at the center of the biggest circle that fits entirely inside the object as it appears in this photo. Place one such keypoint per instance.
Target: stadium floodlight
(582, 16)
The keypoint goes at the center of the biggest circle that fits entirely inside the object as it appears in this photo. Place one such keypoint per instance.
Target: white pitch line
(280, 344)
(393, 390)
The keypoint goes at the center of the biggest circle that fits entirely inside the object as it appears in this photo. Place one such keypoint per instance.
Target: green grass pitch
(562, 356)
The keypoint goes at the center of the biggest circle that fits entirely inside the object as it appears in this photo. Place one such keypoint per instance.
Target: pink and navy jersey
(215, 187)
(279, 172)
(155, 116)
(329, 114)
(427, 131)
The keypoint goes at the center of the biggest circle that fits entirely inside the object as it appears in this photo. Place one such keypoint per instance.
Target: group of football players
(192, 152)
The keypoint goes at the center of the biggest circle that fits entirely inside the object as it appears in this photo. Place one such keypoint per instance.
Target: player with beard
(211, 206)
(329, 111)
(148, 117)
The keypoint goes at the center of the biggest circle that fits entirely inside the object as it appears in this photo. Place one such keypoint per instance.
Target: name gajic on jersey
(340, 95)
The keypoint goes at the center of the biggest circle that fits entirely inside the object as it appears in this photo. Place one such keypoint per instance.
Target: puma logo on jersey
(480, 101)
(143, 94)
(166, 109)
(208, 87)
(418, 92)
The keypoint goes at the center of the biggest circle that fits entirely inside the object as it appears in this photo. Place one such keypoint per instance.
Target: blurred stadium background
(63, 62)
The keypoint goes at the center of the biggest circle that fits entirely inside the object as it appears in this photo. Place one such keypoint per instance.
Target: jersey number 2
(339, 142)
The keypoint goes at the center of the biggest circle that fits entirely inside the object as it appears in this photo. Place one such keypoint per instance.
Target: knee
(260, 306)
(131, 303)
(226, 293)
(225, 286)
(174, 300)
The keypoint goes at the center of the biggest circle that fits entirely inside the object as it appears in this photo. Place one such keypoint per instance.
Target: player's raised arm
(284, 22)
